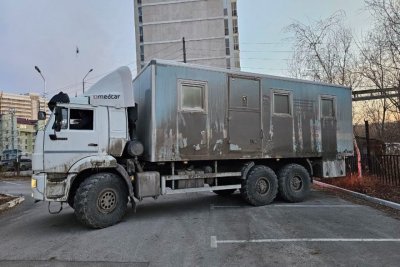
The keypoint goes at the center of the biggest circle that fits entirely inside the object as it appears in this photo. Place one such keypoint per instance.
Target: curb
(14, 174)
(375, 200)
(11, 203)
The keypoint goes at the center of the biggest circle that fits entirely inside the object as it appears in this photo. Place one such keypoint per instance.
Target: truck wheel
(70, 202)
(224, 192)
(101, 200)
(294, 183)
(261, 186)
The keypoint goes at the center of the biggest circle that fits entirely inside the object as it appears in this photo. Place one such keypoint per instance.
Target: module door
(244, 115)
(192, 137)
(328, 124)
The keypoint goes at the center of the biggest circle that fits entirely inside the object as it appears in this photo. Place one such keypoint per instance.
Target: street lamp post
(44, 82)
(83, 80)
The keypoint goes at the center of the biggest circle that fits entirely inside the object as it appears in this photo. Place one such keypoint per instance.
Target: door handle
(54, 137)
(92, 144)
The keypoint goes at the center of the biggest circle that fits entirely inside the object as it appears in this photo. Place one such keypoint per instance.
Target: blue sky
(46, 32)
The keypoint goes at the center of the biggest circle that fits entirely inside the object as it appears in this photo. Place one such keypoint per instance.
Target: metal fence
(385, 167)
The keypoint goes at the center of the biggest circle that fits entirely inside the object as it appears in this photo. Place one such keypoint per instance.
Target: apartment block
(24, 106)
(18, 123)
(209, 28)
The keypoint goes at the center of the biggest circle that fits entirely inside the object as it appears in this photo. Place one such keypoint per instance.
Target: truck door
(244, 115)
(75, 139)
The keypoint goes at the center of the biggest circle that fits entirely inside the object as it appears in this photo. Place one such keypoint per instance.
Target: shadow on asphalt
(167, 206)
(191, 203)
(56, 223)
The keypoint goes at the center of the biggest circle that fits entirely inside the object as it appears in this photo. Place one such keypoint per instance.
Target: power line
(266, 68)
(162, 49)
(264, 43)
(249, 58)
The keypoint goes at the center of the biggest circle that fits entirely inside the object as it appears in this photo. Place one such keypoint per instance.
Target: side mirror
(41, 115)
(58, 119)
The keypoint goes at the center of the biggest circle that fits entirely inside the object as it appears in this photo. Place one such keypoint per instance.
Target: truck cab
(83, 137)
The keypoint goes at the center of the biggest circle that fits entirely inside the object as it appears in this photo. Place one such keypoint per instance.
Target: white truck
(180, 128)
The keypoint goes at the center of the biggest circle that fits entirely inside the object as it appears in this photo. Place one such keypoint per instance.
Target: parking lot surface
(203, 229)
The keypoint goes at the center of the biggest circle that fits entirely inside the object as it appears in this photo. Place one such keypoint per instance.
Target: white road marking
(315, 206)
(215, 242)
(291, 206)
(10, 183)
(219, 207)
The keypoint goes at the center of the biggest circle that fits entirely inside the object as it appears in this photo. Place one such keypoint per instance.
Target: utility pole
(14, 137)
(368, 145)
(12, 112)
(184, 49)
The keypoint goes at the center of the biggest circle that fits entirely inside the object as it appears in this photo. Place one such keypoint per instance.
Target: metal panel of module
(188, 112)
(142, 86)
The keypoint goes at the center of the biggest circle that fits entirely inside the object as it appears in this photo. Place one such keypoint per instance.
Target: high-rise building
(24, 106)
(209, 28)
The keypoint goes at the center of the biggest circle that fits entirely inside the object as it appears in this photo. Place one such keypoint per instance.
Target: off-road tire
(72, 193)
(224, 192)
(294, 183)
(70, 202)
(101, 200)
(260, 187)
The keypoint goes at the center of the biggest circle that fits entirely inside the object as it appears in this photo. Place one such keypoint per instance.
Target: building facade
(17, 136)
(8, 135)
(18, 124)
(25, 106)
(209, 27)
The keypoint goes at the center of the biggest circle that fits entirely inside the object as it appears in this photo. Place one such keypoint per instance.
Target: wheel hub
(107, 201)
(296, 183)
(262, 186)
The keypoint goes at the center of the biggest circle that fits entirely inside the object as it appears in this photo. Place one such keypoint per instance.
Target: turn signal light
(33, 183)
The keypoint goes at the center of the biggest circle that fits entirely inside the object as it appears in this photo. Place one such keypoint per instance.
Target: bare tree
(323, 51)
(373, 57)
(379, 62)
(380, 53)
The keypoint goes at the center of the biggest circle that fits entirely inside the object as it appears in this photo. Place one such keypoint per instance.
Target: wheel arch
(91, 165)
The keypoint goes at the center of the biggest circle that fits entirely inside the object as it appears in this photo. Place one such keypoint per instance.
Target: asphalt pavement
(203, 229)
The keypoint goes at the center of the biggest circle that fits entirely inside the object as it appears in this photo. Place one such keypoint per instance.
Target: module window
(327, 107)
(192, 96)
(282, 103)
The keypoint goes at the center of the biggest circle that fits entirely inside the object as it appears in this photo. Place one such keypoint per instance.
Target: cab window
(81, 119)
(61, 119)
